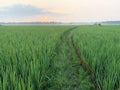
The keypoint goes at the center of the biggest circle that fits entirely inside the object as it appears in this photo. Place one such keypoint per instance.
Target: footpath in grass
(68, 74)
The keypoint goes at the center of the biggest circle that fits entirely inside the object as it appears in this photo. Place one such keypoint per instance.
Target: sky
(59, 10)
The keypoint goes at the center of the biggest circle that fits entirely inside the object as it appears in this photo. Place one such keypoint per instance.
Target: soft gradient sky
(59, 10)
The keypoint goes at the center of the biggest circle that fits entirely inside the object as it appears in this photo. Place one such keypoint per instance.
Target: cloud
(22, 11)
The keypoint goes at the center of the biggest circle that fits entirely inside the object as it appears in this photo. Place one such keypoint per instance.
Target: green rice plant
(100, 47)
(25, 56)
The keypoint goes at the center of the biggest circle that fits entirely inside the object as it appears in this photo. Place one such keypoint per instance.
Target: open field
(59, 57)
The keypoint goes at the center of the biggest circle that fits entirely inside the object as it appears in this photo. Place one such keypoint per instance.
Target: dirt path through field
(72, 72)
(83, 63)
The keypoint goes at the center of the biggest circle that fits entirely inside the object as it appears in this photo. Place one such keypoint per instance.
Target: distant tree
(99, 24)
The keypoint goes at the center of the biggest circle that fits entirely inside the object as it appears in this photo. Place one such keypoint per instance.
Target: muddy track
(83, 63)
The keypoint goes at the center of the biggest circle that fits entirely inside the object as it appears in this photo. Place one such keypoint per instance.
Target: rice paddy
(59, 57)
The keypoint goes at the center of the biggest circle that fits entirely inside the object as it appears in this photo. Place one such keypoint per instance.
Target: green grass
(25, 56)
(43, 58)
(100, 46)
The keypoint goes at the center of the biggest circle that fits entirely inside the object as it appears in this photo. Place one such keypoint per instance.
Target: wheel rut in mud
(71, 67)
(84, 64)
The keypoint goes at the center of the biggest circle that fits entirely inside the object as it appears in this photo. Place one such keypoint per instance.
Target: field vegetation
(100, 47)
(59, 58)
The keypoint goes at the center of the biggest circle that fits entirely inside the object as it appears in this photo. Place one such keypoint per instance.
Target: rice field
(44, 57)
(100, 46)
